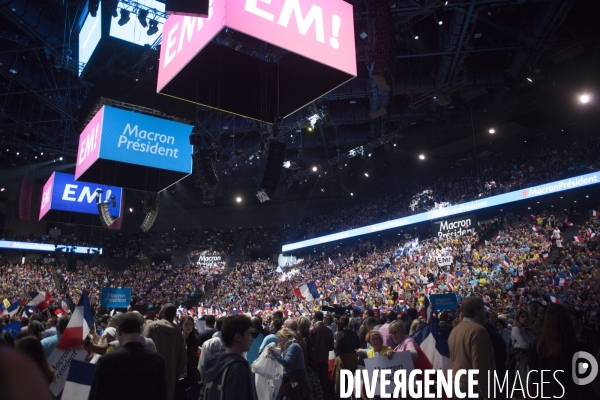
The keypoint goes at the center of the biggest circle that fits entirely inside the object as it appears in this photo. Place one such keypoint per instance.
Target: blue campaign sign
(115, 297)
(140, 139)
(540, 190)
(80, 197)
(442, 302)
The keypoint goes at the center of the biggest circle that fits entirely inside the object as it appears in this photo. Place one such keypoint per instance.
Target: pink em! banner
(89, 144)
(46, 197)
(321, 30)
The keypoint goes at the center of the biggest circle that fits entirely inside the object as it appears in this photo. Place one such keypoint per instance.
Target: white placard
(444, 260)
(399, 361)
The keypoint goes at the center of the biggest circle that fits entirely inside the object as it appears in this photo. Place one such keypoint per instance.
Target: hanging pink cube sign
(248, 53)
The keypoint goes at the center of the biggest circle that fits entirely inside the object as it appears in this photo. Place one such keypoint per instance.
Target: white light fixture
(584, 98)
(366, 174)
(492, 131)
(314, 169)
(530, 80)
(287, 164)
(239, 199)
(440, 22)
(60, 158)
(351, 194)
(369, 154)
(131, 210)
(422, 156)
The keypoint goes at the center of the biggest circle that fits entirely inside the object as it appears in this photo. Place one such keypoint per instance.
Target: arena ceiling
(516, 66)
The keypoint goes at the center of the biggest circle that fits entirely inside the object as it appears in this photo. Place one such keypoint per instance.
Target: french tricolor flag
(578, 239)
(13, 308)
(79, 380)
(40, 300)
(568, 223)
(535, 228)
(506, 264)
(79, 325)
(307, 292)
(554, 299)
(594, 213)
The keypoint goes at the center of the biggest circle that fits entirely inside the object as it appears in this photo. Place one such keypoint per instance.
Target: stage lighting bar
(135, 8)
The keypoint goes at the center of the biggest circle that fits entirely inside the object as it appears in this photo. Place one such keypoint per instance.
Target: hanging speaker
(206, 177)
(192, 8)
(271, 166)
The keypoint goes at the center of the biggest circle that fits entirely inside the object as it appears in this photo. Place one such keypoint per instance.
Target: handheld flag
(14, 307)
(434, 345)
(79, 380)
(40, 300)
(307, 292)
(79, 326)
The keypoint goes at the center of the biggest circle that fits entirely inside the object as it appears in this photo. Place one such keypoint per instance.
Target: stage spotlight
(366, 174)
(492, 131)
(93, 7)
(124, 17)
(351, 194)
(314, 169)
(584, 98)
(239, 199)
(422, 156)
(153, 27)
(142, 15)
(60, 158)
(112, 8)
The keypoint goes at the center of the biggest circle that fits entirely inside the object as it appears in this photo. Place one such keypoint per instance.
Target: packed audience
(512, 173)
(261, 238)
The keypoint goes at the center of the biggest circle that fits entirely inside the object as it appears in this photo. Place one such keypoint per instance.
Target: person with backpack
(228, 375)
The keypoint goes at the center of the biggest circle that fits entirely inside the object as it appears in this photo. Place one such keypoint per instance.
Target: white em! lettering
(46, 196)
(314, 15)
(86, 194)
(187, 31)
(88, 144)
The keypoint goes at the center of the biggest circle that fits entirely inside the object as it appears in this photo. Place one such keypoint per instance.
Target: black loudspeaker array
(206, 177)
(193, 8)
(271, 166)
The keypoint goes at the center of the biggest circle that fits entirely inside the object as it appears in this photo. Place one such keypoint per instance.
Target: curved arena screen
(517, 195)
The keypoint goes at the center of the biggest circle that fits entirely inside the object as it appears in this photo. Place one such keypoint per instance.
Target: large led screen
(63, 193)
(541, 190)
(89, 37)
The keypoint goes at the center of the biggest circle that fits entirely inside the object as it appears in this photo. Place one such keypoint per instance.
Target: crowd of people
(511, 173)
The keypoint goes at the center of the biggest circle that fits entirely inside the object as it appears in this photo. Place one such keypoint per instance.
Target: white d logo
(589, 365)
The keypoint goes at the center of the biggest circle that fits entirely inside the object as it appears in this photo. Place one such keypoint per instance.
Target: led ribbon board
(12, 245)
(134, 150)
(315, 39)
(62, 193)
(536, 191)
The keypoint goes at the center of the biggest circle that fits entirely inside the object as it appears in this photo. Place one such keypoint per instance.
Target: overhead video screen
(89, 37)
(133, 31)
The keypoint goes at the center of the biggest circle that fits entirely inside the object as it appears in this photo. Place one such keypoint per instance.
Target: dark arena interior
(340, 184)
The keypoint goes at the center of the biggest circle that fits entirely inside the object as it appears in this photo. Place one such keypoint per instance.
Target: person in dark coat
(131, 372)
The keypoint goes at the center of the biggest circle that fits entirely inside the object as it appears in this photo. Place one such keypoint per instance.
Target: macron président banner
(133, 138)
(62, 193)
(115, 297)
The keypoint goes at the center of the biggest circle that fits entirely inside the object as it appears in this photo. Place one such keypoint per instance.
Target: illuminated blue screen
(133, 31)
(80, 197)
(140, 139)
(89, 37)
(541, 190)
